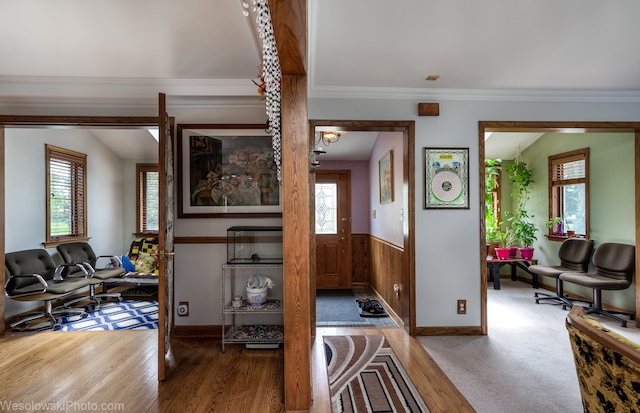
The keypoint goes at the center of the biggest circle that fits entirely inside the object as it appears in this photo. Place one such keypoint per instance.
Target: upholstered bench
(32, 275)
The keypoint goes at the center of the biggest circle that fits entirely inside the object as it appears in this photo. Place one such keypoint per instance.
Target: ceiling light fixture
(328, 137)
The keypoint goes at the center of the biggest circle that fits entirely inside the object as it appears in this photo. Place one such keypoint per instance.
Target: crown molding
(69, 92)
(515, 95)
(66, 87)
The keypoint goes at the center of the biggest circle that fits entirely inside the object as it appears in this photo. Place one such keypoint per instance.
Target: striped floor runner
(365, 376)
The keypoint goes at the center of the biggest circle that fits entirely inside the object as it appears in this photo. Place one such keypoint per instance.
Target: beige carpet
(365, 376)
(524, 364)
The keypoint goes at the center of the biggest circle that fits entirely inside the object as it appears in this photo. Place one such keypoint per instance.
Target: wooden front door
(333, 229)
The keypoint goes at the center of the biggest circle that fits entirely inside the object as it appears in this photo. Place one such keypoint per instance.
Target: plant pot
(256, 297)
(571, 234)
(526, 253)
(513, 251)
(503, 253)
(491, 248)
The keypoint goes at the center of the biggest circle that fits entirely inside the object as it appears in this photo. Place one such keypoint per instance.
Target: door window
(326, 208)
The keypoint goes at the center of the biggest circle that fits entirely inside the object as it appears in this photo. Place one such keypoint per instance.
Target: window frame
(141, 201)
(555, 190)
(79, 200)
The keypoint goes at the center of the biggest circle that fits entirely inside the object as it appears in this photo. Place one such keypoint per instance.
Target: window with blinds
(147, 204)
(569, 190)
(66, 189)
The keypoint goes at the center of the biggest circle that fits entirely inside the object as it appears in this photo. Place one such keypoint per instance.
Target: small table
(494, 265)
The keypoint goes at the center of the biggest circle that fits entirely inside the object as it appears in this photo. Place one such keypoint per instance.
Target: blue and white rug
(126, 315)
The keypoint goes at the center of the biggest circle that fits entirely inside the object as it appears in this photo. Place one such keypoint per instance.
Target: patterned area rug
(365, 376)
(126, 315)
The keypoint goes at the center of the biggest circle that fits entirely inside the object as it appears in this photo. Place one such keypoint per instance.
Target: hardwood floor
(117, 371)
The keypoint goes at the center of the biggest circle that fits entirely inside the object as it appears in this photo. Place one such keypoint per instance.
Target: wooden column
(289, 20)
(297, 239)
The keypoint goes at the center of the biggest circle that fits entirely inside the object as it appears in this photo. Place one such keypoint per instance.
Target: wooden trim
(576, 317)
(2, 226)
(576, 127)
(297, 237)
(387, 243)
(112, 121)
(210, 331)
(637, 180)
(17, 120)
(408, 269)
(142, 169)
(200, 240)
(428, 109)
(483, 230)
(449, 331)
(408, 228)
(289, 21)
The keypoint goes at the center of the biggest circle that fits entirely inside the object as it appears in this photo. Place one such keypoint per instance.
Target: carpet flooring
(338, 308)
(524, 364)
(126, 315)
(365, 376)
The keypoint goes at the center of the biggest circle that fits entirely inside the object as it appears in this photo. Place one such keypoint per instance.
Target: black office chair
(615, 265)
(575, 255)
(81, 253)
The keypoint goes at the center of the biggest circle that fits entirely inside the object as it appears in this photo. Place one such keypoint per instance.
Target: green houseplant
(521, 178)
(555, 225)
(492, 171)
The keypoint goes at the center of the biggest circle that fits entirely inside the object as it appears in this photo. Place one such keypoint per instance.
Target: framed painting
(385, 174)
(446, 178)
(226, 171)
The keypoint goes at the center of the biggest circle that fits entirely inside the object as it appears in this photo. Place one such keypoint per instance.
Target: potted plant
(521, 178)
(555, 226)
(256, 287)
(506, 238)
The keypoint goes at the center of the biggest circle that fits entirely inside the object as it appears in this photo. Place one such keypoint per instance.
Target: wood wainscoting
(387, 270)
(360, 259)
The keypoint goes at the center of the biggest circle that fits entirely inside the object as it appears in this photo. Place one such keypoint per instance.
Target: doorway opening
(486, 127)
(369, 256)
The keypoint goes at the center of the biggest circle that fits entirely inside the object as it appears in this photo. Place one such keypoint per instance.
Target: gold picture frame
(385, 177)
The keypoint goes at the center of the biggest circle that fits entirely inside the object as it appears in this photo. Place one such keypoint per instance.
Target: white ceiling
(122, 52)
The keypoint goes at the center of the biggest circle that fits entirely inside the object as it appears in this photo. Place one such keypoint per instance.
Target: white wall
(198, 267)
(447, 241)
(387, 224)
(25, 191)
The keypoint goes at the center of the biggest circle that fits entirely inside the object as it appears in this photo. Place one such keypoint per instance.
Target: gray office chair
(575, 255)
(615, 265)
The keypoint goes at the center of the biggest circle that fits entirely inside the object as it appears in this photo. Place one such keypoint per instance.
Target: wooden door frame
(546, 127)
(408, 197)
(47, 121)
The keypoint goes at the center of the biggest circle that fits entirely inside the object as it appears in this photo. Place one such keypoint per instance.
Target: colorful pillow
(127, 265)
(146, 264)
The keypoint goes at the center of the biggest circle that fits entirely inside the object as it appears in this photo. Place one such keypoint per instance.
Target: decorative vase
(256, 297)
(526, 253)
(503, 253)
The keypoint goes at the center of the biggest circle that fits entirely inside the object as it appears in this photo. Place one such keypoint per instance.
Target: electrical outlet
(183, 309)
(462, 306)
